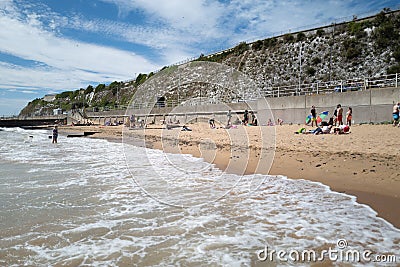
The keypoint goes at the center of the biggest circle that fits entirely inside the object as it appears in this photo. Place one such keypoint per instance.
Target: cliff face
(358, 49)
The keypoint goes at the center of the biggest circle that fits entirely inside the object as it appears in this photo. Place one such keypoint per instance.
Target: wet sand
(364, 163)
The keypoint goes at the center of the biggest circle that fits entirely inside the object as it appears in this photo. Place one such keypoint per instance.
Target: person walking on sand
(349, 116)
(396, 111)
(339, 114)
(229, 115)
(55, 134)
(313, 116)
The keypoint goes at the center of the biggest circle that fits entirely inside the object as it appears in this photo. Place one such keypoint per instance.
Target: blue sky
(50, 46)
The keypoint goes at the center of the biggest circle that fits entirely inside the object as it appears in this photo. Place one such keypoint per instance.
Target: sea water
(88, 202)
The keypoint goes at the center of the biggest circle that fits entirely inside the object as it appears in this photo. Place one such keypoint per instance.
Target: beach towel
(299, 131)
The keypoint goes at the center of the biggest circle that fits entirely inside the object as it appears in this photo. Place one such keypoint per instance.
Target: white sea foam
(78, 204)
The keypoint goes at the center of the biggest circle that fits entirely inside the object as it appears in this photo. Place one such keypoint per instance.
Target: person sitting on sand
(331, 121)
(341, 129)
(212, 123)
(253, 118)
(326, 129)
(185, 128)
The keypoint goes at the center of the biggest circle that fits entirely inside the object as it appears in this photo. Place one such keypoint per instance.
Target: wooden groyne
(31, 122)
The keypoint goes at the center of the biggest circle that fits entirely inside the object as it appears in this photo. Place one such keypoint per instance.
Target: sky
(51, 46)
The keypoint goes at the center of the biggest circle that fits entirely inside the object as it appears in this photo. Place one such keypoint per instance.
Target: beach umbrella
(322, 116)
(308, 119)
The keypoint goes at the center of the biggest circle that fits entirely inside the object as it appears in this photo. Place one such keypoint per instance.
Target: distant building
(49, 98)
(57, 111)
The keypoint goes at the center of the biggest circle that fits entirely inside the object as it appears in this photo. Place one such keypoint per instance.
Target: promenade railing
(336, 86)
(329, 87)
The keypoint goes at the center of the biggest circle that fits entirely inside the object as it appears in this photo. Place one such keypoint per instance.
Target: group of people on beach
(249, 115)
(136, 123)
(334, 125)
(336, 119)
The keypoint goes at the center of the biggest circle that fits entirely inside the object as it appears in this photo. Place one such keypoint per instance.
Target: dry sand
(364, 163)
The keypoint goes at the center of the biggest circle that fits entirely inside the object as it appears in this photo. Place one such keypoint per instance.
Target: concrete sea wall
(372, 105)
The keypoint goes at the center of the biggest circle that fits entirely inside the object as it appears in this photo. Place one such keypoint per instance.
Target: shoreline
(358, 164)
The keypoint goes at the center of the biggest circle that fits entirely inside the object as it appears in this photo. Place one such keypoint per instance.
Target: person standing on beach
(339, 114)
(246, 117)
(313, 116)
(132, 121)
(55, 134)
(349, 116)
(229, 115)
(396, 111)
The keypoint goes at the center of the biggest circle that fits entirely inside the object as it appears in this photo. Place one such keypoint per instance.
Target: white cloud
(64, 63)
(31, 43)
(195, 18)
(201, 22)
(178, 13)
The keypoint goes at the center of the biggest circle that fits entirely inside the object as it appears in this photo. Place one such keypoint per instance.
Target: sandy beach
(364, 163)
